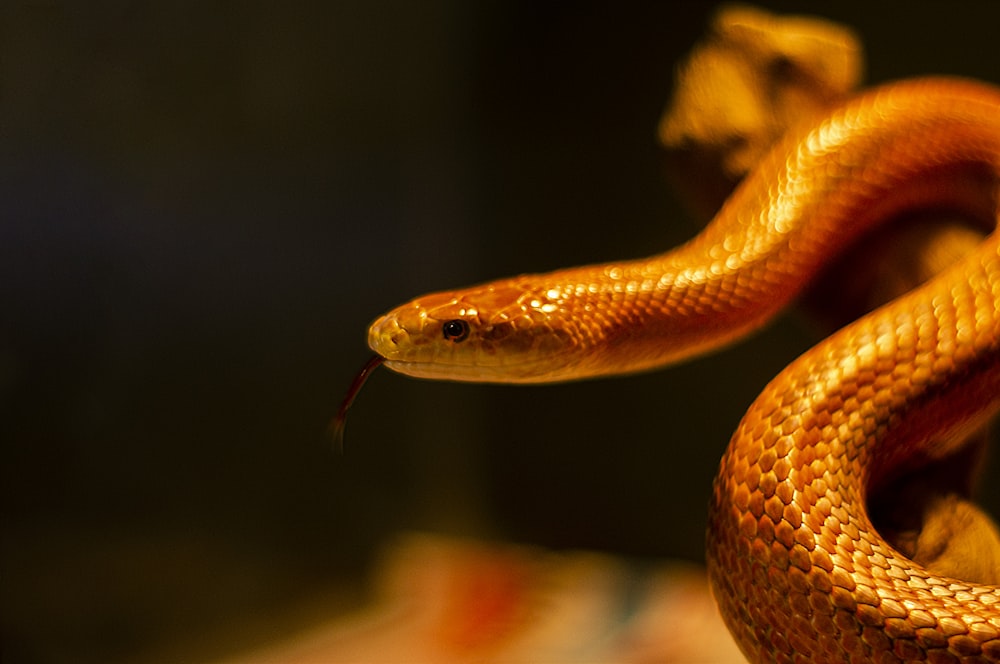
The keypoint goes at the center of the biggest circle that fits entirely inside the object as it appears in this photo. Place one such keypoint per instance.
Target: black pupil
(455, 330)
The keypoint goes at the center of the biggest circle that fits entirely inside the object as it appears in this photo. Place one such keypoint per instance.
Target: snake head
(503, 332)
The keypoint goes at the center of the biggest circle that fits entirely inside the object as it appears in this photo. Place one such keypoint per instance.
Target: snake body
(797, 568)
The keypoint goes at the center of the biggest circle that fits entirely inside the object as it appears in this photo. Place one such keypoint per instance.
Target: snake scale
(799, 572)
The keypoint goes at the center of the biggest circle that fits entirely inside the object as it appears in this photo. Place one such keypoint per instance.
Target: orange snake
(796, 567)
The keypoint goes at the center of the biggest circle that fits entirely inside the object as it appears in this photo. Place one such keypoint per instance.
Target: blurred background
(204, 204)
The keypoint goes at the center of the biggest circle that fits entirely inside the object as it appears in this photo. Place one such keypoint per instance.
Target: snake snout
(386, 337)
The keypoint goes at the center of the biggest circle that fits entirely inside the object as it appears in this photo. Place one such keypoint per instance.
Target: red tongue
(336, 428)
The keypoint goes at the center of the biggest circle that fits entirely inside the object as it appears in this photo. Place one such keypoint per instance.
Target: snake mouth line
(512, 373)
(528, 371)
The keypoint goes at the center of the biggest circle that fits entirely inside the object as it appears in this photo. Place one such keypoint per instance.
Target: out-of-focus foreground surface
(204, 205)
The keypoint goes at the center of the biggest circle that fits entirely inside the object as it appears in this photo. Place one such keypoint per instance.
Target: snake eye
(455, 330)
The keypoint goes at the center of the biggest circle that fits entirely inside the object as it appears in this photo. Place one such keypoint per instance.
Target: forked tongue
(336, 428)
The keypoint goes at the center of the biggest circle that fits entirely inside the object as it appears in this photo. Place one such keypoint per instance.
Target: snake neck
(815, 195)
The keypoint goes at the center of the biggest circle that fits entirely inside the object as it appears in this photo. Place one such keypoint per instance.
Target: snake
(798, 570)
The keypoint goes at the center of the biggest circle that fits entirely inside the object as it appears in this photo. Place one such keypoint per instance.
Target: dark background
(204, 204)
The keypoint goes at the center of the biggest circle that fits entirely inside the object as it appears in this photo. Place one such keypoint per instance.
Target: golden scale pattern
(798, 571)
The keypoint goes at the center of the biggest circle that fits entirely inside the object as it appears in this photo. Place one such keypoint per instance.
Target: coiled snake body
(795, 564)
